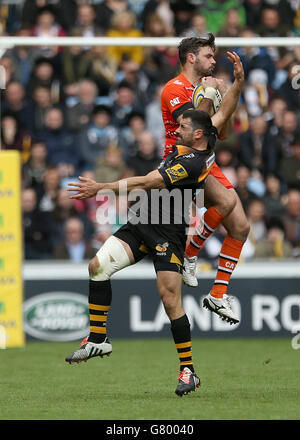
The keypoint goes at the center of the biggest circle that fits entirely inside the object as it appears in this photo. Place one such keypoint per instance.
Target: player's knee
(111, 258)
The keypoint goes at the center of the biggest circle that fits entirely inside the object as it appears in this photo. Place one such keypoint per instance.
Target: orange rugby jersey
(176, 97)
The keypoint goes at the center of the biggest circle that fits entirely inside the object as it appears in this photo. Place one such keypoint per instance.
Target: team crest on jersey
(162, 248)
(176, 172)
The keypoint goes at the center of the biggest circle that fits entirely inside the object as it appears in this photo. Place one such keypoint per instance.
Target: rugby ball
(198, 95)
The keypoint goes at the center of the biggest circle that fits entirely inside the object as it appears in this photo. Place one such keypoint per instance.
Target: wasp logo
(162, 248)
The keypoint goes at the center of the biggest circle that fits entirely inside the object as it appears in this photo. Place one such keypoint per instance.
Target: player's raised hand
(86, 188)
(238, 69)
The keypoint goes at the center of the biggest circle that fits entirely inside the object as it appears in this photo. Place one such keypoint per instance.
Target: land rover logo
(56, 316)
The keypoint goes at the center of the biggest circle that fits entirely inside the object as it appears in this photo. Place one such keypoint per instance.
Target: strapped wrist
(209, 93)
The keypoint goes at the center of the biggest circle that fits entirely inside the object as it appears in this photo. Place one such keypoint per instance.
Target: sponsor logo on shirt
(177, 172)
(175, 101)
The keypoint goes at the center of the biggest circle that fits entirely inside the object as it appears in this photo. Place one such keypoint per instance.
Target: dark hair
(102, 109)
(200, 120)
(275, 222)
(193, 44)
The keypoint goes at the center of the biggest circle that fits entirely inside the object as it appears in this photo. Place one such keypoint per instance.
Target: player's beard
(186, 142)
(200, 72)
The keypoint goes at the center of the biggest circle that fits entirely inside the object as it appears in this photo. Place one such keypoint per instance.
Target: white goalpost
(8, 42)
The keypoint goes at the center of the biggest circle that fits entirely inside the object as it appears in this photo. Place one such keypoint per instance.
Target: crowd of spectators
(95, 111)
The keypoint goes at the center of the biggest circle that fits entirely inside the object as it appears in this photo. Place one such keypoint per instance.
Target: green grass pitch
(245, 379)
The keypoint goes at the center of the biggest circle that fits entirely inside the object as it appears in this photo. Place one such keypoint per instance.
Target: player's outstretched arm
(87, 187)
(231, 99)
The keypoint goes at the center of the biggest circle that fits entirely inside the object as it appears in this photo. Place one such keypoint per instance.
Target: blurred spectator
(270, 23)
(274, 245)
(15, 102)
(64, 208)
(105, 11)
(287, 132)
(256, 216)
(22, 58)
(123, 25)
(86, 21)
(288, 91)
(94, 139)
(46, 26)
(183, 12)
(277, 108)
(79, 115)
(243, 176)
(33, 171)
(62, 150)
(155, 26)
(129, 134)
(137, 7)
(74, 247)
(233, 24)
(256, 93)
(48, 193)
(291, 220)
(226, 161)
(72, 64)
(102, 69)
(215, 12)
(253, 9)
(112, 167)
(254, 57)
(31, 9)
(13, 137)
(273, 199)
(36, 228)
(37, 109)
(290, 166)
(258, 148)
(272, 26)
(43, 74)
(131, 73)
(163, 9)
(198, 26)
(146, 158)
(165, 62)
(124, 104)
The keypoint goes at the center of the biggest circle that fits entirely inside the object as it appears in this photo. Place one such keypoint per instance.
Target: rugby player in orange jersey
(198, 62)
